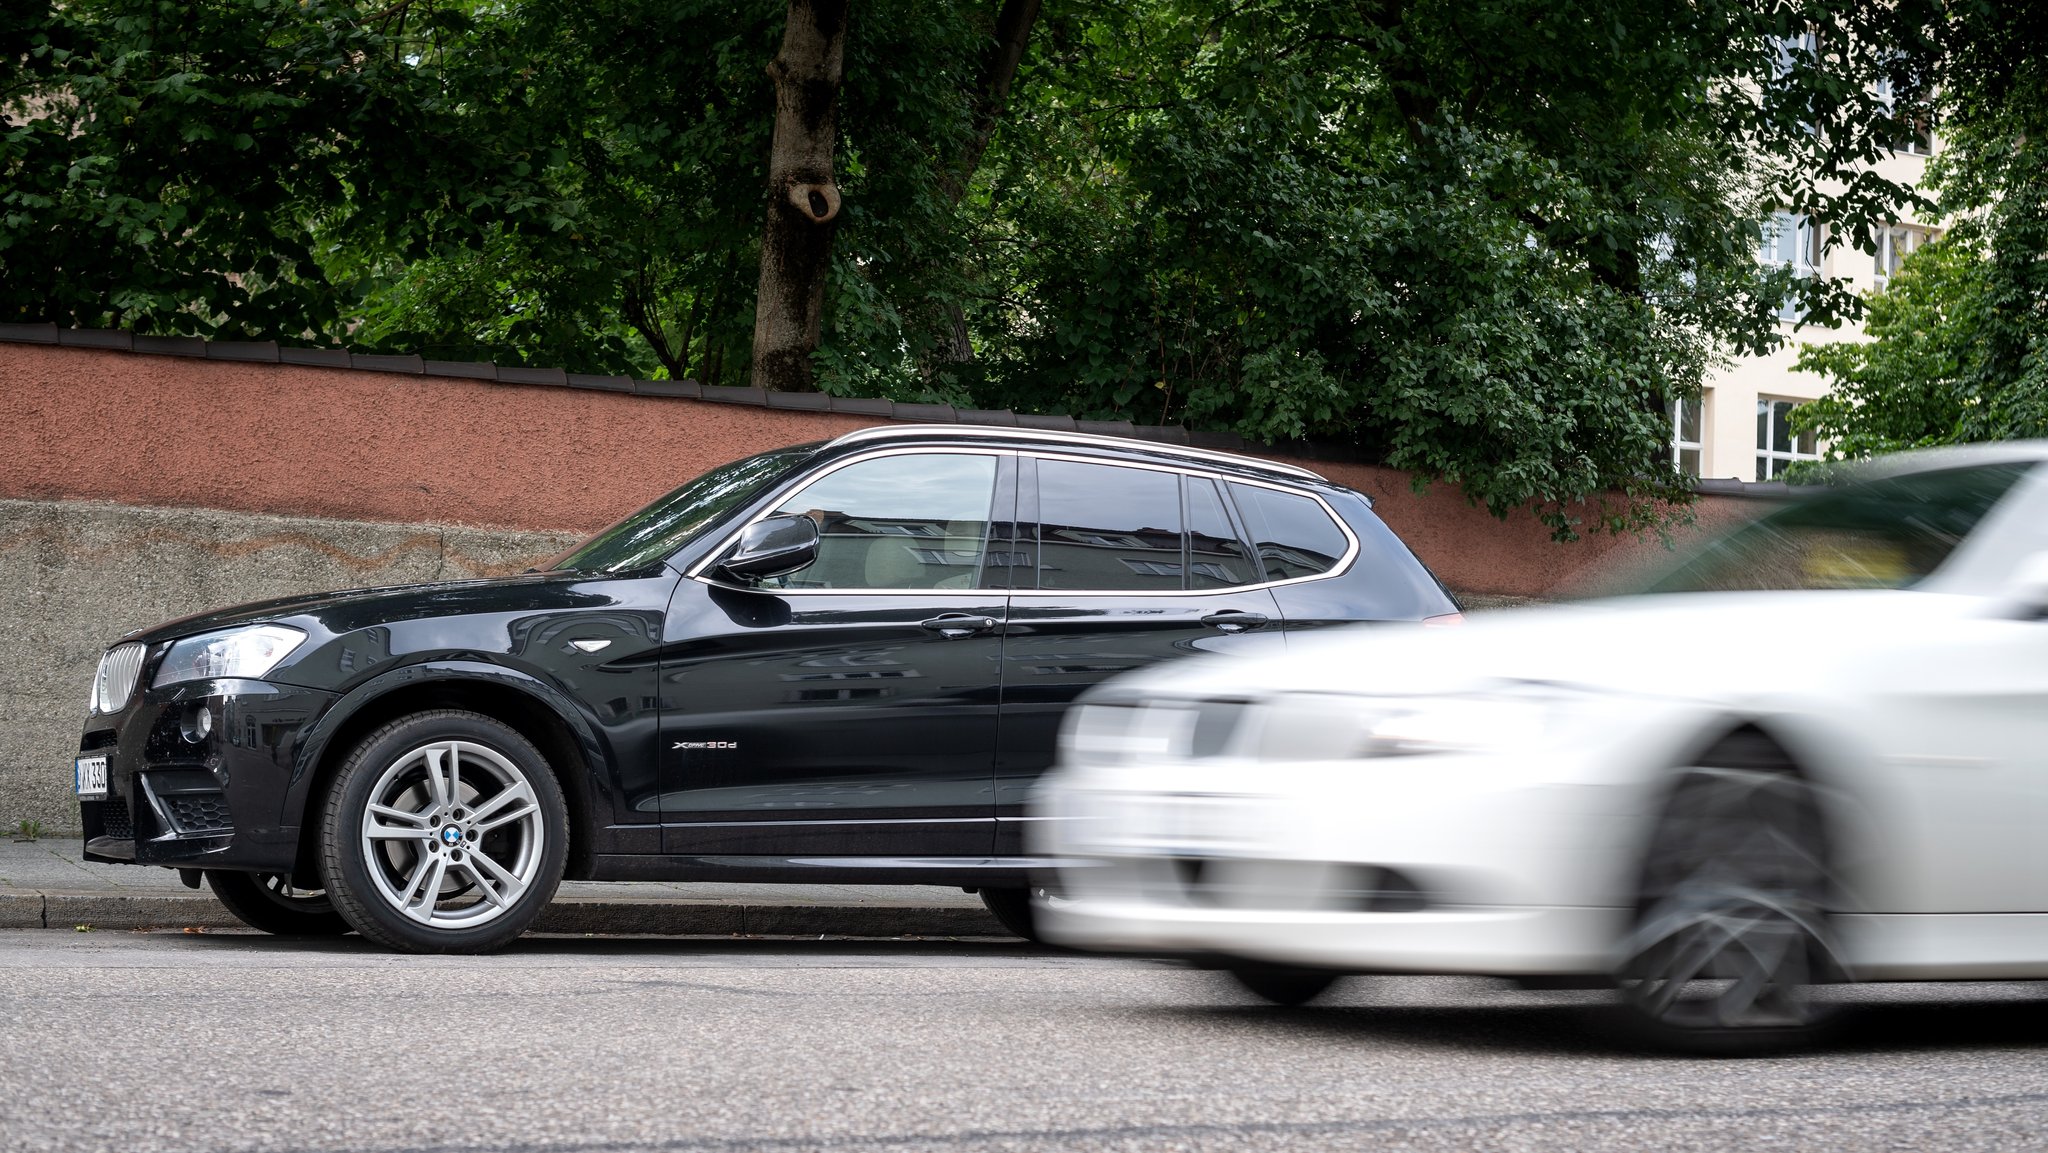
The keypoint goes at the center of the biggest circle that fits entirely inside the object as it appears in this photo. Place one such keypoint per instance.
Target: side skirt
(964, 872)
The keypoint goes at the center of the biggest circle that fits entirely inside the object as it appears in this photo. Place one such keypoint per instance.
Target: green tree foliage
(1912, 383)
(1486, 240)
(1959, 339)
(170, 166)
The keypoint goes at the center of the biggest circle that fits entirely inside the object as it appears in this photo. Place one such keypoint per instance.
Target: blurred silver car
(1817, 751)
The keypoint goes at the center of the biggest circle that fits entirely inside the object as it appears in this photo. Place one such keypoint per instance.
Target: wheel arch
(1790, 744)
(529, 707)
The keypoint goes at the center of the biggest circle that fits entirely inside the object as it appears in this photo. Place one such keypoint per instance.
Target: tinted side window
(916, 521)
(1294, 536)
(1216, 558)
(1107, 528)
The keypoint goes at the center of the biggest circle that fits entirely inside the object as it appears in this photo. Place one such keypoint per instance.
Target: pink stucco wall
(176, 431)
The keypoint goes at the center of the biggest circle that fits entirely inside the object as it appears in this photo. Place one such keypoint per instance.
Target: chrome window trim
(700, 571)
(1121, 443)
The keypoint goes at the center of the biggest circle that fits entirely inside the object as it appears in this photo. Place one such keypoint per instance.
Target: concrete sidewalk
(47, 884)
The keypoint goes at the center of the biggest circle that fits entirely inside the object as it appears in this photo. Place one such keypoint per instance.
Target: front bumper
(215, 801)
(1454, 864)
(1495, 942)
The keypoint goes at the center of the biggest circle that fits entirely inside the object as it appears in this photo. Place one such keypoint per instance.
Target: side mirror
(771, 548)
(2026, 589)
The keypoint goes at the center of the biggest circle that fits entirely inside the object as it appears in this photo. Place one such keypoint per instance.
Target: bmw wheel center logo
(451, 835)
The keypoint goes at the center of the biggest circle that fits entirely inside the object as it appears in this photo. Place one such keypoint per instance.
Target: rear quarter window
(1292, 535)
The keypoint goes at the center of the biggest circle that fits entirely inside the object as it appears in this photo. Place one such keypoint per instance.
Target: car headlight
(249, 651)
(1330, 727)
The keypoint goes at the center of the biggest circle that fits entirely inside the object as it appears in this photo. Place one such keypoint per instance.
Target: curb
(607, 915)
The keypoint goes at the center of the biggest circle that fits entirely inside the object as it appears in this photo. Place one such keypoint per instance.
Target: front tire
(444, 832)
(1732, 929)
(267, 901)
(1283, 984)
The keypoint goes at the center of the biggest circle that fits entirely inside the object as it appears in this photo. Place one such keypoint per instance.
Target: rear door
(1117, 566)
(848, 709)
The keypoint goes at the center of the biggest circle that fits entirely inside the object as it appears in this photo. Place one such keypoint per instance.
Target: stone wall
(169, 431)
(75, 574)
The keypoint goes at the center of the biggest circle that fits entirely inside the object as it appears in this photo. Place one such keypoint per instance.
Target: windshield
(1889, 533)
(657, 531)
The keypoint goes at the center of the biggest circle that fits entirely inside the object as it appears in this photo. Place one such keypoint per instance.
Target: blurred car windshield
(1890, 533)
(658, 530)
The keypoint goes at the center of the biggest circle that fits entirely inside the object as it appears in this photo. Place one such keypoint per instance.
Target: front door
(849, 708)
(1133, 566)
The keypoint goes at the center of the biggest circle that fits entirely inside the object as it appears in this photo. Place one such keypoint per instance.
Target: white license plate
(1190, 824)
(92, 776)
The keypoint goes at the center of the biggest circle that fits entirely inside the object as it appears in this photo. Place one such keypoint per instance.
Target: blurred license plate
(1192, 824)
(92, 776)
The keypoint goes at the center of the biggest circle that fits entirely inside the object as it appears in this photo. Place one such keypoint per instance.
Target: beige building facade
(1739, 429)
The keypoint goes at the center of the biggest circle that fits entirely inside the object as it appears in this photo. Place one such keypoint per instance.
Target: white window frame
(1768, 453)
(1894, 243)
(1802, 255)
(1920, 140)
(1808, 42)
(1679, 445)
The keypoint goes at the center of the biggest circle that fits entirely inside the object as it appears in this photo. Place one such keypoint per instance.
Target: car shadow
(1931, 1018)
(1509, 1022)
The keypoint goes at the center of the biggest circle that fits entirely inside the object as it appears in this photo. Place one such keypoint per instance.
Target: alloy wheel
(453, 834)
(1733, 931)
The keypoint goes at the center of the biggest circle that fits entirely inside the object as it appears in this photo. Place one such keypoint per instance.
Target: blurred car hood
(1688, 644)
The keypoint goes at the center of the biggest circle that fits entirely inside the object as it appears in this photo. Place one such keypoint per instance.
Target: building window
(1791, 240)
(1685, 435)
(1777, 446)
(1919, 137)
(1794, 52)
(1892, 246)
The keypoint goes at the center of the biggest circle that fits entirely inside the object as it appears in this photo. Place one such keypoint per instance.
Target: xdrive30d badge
(842, 661)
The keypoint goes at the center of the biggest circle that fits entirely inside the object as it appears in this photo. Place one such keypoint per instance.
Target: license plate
(1189, 824)
(92, 776)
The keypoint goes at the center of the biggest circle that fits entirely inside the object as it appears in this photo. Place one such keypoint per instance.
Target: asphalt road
(138, 1042)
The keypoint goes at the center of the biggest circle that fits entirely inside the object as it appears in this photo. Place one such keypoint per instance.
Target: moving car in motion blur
(1818, 750)
(840, 662)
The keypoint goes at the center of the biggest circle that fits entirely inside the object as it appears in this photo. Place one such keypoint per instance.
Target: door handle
(953, 626)
(1234, 621)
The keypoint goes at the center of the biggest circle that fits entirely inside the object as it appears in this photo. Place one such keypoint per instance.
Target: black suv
(840, 661)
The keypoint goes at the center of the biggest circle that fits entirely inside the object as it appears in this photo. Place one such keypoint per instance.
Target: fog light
(197, 723)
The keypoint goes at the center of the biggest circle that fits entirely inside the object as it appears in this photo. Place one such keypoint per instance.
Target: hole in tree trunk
(819, 205)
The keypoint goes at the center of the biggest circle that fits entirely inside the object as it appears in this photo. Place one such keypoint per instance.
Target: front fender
(320, 736)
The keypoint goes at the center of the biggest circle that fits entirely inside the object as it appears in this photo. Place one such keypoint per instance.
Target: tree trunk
(1007, 41)
(999, 70)
(803, 200)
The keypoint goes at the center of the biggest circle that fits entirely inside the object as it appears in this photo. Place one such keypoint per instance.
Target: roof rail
(895, 431)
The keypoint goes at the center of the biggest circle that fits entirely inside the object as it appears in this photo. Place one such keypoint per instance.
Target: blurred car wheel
(1732, 928)
(1282, 984)
(267, 901)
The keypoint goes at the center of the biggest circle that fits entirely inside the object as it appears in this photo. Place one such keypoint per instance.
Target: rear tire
(443, 832)
(1284, 984)
(267, 901)
(1732, 929)
(1016, 910)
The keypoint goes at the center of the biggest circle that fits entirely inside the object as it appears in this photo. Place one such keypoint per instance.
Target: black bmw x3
(835, 662)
